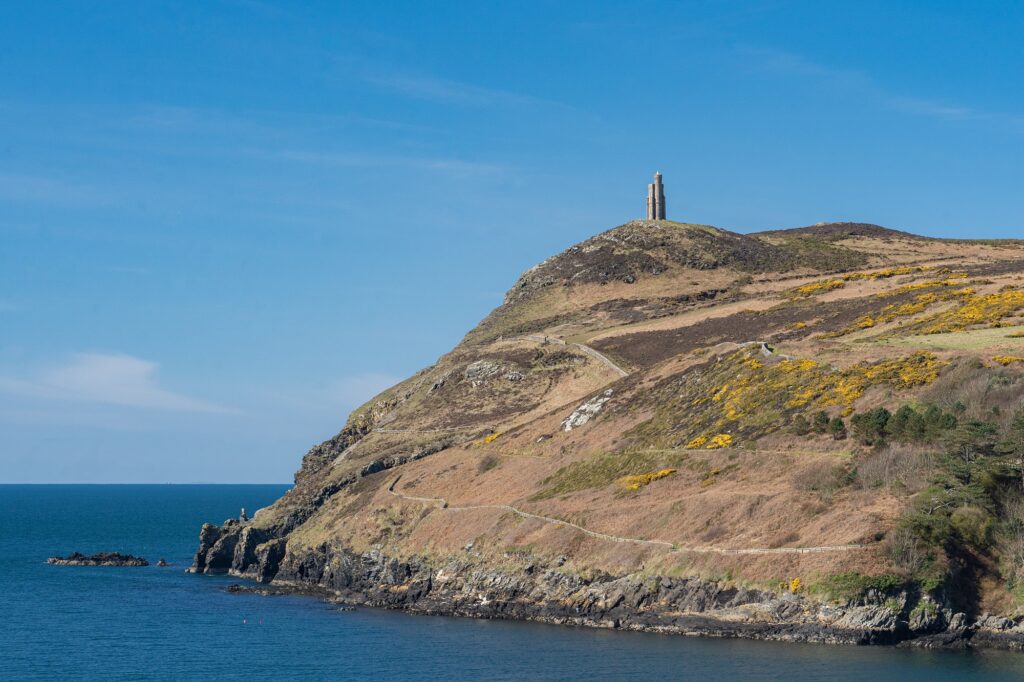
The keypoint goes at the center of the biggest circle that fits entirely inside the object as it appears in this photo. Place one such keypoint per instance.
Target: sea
(103, 623)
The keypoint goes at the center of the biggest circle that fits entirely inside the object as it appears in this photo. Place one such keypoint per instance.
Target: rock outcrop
(550, 594)
(98, 559)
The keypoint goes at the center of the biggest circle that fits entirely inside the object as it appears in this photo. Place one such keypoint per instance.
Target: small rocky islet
(99, 559)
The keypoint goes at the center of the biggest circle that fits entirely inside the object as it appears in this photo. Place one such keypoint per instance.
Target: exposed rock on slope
(823, 421)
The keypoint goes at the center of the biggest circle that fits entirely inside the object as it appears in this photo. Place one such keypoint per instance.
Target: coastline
(687, 606)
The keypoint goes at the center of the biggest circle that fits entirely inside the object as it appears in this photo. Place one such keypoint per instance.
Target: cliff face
(804, 434)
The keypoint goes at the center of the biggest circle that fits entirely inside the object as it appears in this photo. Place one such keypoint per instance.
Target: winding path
(600, 357)
(442, 430)
(536, 338)
(443, 504)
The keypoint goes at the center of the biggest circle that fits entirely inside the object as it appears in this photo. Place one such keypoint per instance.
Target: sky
(224, 225)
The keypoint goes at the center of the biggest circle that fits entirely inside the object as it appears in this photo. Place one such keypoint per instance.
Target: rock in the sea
(98, 559)
(162, 563)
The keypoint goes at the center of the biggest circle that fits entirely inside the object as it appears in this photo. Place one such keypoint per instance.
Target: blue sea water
(161, 623)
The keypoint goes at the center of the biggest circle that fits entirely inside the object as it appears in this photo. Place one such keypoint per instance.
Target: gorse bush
(817, 287)
(970, 309)
(822, 286)
(638, 481)
(722, 440)
(604, 469)
(747, 396)
(976, 309)
(697, 442)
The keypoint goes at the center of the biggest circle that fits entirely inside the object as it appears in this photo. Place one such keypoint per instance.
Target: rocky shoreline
(467, 586)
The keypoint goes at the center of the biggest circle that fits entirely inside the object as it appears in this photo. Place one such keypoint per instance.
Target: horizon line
(3, 483)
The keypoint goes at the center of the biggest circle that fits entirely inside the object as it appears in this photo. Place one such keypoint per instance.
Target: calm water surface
(160, 623)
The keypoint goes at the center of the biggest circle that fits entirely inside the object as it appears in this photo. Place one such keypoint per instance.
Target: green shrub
(973, 525)
(853, 585)
(801, 426)
(604, 469)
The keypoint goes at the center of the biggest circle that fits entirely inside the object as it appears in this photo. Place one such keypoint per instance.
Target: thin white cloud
(21, 188)
(862, 84)
(430, 88)
(438, 89)
(261, 123)
(358, 160)
(269, 135)
(787, 63)
(98, 378)
(172, 119)
(924, 107)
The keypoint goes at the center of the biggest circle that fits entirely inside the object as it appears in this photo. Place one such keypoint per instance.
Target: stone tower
(656, 199)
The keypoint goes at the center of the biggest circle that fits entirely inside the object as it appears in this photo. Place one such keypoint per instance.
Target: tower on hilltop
(656, 199)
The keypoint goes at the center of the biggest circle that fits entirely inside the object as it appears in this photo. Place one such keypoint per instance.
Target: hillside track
(671, 547)
(597, 355)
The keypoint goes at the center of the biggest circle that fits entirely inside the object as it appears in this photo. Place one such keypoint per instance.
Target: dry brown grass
(797, 493)
(905, 468)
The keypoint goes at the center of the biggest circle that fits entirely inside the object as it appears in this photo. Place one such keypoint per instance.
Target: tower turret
(656, 199)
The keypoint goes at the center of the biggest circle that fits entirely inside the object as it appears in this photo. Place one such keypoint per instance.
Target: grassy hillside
(678, 399)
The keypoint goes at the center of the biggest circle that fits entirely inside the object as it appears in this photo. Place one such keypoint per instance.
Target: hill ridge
(615, 394)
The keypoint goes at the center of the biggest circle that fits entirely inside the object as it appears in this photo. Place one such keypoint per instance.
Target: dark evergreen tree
(896, 427)
(1012, 445)
(972, 438)
(870, 427)
(837, 428)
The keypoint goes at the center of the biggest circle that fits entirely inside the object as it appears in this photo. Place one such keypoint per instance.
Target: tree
(971, 438)
(879, 420)
(936, 422)
(821, 422)
(870, 426)
(837, 428)
(1013, 444)
(801, 426)
(900, 424)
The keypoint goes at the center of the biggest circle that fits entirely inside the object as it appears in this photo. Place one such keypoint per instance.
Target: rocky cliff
(808, 434)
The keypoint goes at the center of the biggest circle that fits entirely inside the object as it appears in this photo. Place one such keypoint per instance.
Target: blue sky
(225, 224)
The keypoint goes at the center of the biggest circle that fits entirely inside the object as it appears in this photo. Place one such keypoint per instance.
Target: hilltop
(810, 434)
